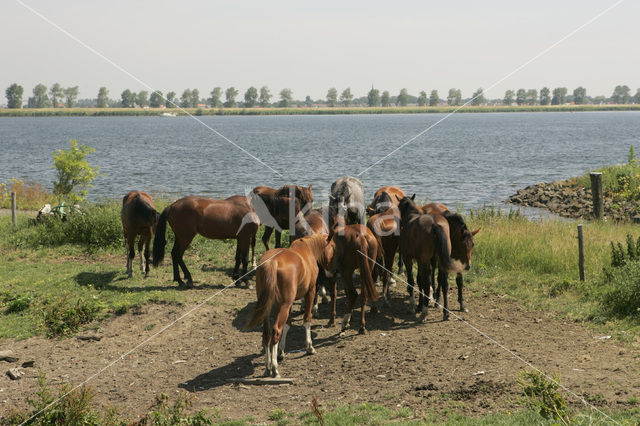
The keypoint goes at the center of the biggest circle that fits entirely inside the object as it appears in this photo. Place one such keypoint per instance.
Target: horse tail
(368, 286)
(159, 242)
(443, 251)
(266, 283)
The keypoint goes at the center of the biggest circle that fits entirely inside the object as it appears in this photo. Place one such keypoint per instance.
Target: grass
(30, 195)
(620, 182)
(44, 112)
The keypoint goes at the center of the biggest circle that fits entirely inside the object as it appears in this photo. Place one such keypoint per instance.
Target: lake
(467, 160)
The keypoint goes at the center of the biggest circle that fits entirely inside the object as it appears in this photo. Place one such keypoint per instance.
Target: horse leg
(147, 253)
(363, 305)
(281, 319)
(347, 277)
(131, 253)
(399, 264)
(266, 341)
(253, 251)
(460, 300)
(444, 285)
(435, 292)
(308, 302)
(408, 263)
(334, 299)
(278, 239)
(243, 249)
(235, 275)
(266, 236)
(177, 252)
(283, 340)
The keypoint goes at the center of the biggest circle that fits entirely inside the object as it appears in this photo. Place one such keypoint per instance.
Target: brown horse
(284, 276)
(216, 219)
(380, 202)
(277, 202)
(461, 246)
(386, 226)
(352, 247)
(424, 238)
(139, 217)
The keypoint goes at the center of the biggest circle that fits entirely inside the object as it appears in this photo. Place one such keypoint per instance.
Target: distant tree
(156, 100)
(521, 96)
(128, 99)
(385, 99)
(185, 99)
(214, 100)
(142, 98)
(422, 98)
(308, 102)
(478, 97)
(56, 92)
(265, 97)
(103, 97)
(545, 96)
(170, 100)
(14, 96)
(195, 98)
(559, 96)
(346, 97)
(454, 97)
(636, 97)
(508, 97)
(403, 98)
(286, 96)
(373, 97)
(40, 98)
(230, 94)
(532, 97)
(598, 100)
(250, 97)
(332, 97)
(434, 98)
(71, 94)
(621, 95)
(579, 95)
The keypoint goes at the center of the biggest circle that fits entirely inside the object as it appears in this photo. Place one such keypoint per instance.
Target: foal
(284, 276)
(139, 217)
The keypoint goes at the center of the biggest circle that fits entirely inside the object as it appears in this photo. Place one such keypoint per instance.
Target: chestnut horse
(381, 202)
(352, 247)
(284, 276)
(461, 246)
(386, 226)
(277, 202)
(139, 217)
(424, 238)
(216, 219)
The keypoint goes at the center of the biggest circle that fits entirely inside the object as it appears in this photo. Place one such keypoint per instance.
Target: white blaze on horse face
(307, 329)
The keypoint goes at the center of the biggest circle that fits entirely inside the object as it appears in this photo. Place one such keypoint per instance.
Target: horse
(461, 245)
(284, 276)
(384, 198)
(139, 217)
(232, 218)
(352, 247)
(347, 190)
(424, 238)
(277, 203)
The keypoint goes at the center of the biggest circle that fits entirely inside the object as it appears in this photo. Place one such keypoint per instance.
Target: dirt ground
(430, 367)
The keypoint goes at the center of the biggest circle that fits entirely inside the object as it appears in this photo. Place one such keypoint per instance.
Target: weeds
(30, 195)
(162, 414)
(541, 394)
(61, 318)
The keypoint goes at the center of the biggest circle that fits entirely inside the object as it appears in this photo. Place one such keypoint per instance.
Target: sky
(312, 46)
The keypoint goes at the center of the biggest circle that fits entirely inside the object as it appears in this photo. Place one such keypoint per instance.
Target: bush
(621, 294)
(621, 182)
(96, 226)
(75, 174)
(62, 318)
(541, 394)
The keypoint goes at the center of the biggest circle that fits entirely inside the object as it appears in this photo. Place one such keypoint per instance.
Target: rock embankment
(568, 199)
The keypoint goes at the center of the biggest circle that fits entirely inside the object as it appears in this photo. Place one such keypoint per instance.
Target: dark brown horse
(232, 218)
(461, 246)
(284, 276)
(139, 217)
(424, 238)
(352, 247)
(281, 212)
(386, 226)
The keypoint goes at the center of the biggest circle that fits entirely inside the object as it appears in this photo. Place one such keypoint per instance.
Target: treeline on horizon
(59, 97)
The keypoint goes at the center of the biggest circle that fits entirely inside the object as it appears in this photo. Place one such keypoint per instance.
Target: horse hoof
(374, 310)
(445, 317)
(311, 351)
(362, 330)
(275, 374)
(281, 357)
(331, 324)
(423, 318)
(251, 286)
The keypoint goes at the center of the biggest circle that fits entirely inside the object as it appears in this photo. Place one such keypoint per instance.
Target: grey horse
(347, 192)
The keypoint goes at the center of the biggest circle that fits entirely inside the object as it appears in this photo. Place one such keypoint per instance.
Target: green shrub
(164, 415)
(620, 296)
(541, 394)
(62, 318)
(17, 304)
(621, 182)
(75, 174)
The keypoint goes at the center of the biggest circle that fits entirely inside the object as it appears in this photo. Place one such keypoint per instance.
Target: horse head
(461, 239)
(407, 207)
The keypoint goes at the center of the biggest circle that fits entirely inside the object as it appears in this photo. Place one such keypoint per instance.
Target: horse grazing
(347, 191)
(280, 211)
(384, 198)
(352, 247)
(232, 218)
(461, 245)
(139, 217)
(284, 276)
(424, 238)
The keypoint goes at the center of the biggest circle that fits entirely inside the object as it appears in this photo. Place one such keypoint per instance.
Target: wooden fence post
(596, 192)
(581, 252)
(13, 209)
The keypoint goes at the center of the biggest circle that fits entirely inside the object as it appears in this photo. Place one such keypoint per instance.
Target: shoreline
(158, 112)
